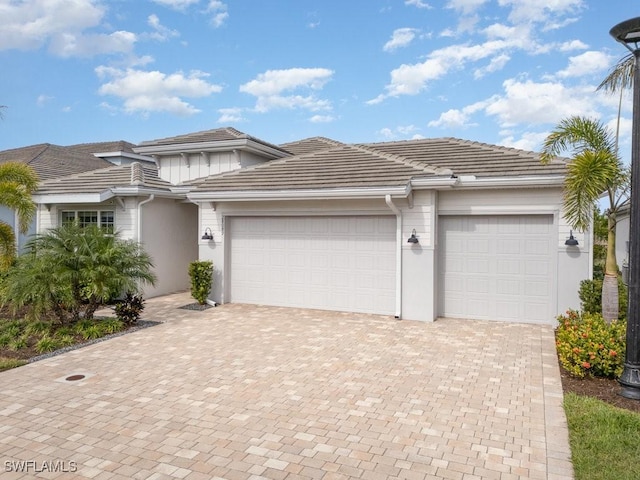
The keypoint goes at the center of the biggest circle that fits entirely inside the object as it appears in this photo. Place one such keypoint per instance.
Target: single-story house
(417, 229)
(55, 161)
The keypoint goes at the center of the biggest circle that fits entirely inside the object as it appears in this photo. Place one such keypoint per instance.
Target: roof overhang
(99, 197)
(69, 198)
(471, 181)
(244, 144)
(310, 194)
(132, 156)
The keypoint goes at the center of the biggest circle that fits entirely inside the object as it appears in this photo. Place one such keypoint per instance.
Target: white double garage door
(488, 267)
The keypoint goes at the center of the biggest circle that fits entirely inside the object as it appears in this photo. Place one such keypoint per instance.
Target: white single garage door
(332, 263)
(497, 267)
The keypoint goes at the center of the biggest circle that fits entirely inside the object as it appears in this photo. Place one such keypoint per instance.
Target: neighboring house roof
(53, 161)
(98, 147)
(471, 158)
(217, 138)
(130, 179)
(345, 166)
(309, 145)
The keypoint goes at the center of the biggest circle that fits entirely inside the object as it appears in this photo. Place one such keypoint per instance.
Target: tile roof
(344, 166)
(465, 157)
(53, 161)
(309, 145)
(117, 176)
(215, 135)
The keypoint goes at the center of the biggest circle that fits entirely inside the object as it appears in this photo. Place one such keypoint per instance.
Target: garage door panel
(337, 263)
(496, 267)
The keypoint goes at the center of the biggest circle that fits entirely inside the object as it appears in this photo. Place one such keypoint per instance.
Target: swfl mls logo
(33, 466)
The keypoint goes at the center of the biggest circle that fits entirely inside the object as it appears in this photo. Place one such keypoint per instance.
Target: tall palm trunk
(610, 283)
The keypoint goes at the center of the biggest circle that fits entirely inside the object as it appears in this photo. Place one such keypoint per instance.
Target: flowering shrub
(587, 345)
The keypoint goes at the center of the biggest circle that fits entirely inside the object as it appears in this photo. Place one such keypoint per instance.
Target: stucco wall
(419, 265)
(169, 234)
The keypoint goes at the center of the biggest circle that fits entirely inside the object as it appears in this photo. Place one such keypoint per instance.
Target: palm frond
(621, 75)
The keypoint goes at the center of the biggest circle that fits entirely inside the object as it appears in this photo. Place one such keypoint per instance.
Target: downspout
(139, 216)
(398, 214)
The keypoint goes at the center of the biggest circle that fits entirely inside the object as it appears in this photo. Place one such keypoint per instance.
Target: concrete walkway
(247, 392)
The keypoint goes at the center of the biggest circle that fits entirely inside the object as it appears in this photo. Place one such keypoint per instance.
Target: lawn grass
(605, 440)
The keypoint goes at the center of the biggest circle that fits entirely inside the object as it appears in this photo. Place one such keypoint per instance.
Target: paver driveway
(242, 392)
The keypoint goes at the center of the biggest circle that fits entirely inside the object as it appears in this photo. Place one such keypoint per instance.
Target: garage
(344, 263)
(497, 267)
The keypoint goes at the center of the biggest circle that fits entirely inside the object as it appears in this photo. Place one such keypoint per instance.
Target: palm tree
(619, 79)
(594, 169)
(71, 271)
(17, 182)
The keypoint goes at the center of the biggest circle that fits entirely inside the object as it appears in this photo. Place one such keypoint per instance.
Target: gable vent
(137, 173)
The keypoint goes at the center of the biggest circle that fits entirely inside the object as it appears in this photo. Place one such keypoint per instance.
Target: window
(102, 218)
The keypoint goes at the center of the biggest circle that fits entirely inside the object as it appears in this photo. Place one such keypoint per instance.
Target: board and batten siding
(178, 168)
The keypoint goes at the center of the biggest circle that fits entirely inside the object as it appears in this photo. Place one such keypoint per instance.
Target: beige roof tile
(470, 158)
(53, 161)
(339, 167)
(310, 145)
(131, 175)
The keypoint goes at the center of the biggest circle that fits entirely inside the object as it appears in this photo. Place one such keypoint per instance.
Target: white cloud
(451, 119)
(154, 91)
(219, 11)
(530, 141)
(42, 100)
(573, 45)
(417, 3)
(412, 79)
(230, 115)
(588, 63)
(495, 64)
(321, 119)
(467, 7)
(160, 32)
(529, 11)
(401, 131)
(269, 88)
(400, 37)
(88, 45)
(529, 103)
(176, 4)
(61, 25)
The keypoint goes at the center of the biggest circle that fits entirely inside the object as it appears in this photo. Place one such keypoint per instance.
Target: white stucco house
(415, 229)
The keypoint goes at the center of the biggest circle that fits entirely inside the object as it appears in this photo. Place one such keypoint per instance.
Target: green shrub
(92, 332)
(65, 340)
(8, 363)
(587, 345)
(18, 343)
(111, 325)
(590, 295)
(201, 274)
(5, 339)
(38, 328)
(47, 344)
(129, 310)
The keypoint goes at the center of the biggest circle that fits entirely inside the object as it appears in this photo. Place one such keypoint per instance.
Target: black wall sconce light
(571, 241)
(413, 238)
(207, 234)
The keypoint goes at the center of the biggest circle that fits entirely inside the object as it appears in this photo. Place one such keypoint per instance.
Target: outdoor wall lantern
(208, 235)
(413, 238)
(571, 241)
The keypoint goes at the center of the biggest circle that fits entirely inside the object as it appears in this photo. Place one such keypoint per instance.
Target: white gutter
(139, 216)
(337, 193)
(543, 181)
(398, 213)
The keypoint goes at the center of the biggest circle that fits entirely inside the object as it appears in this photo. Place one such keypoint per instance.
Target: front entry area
(496, 267)
(344, 263)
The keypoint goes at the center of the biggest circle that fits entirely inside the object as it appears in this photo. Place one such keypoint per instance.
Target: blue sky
(496, 71)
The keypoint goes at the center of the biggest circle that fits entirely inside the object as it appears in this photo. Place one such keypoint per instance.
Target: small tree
(201, 274)
(17, 182)
(71, 271)
(594, 169)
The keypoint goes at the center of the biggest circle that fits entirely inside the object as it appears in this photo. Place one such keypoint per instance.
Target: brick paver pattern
(252, 392)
